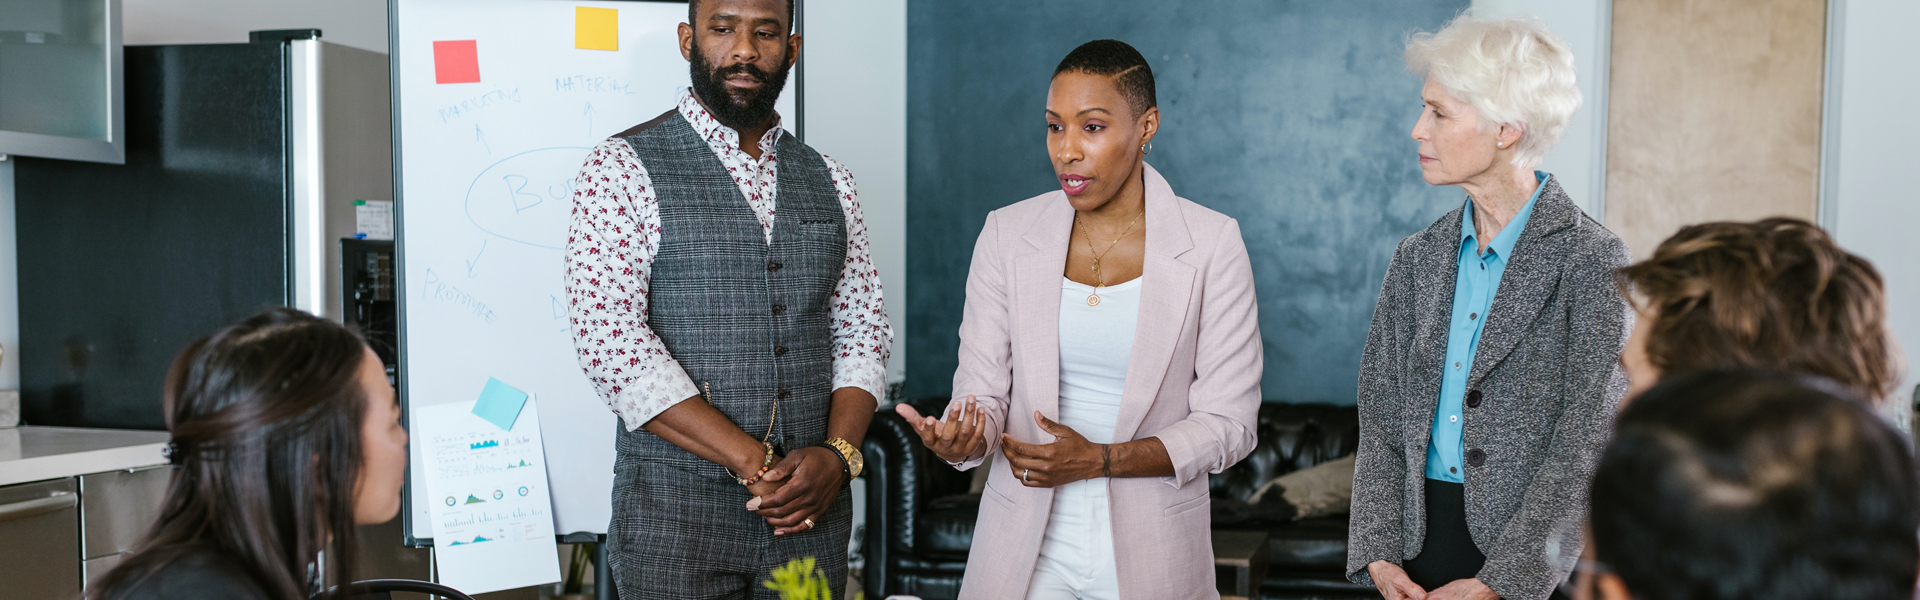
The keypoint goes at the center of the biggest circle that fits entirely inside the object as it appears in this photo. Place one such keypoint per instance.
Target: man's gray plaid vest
(751, 322)
(748, 320)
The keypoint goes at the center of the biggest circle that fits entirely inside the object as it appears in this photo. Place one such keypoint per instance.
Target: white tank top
(1095, 343)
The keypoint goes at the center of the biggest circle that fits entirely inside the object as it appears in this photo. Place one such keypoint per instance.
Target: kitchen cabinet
(72, 503)
(39, 548)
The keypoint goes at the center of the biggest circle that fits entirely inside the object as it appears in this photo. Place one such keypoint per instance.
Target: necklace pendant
(1093, 299)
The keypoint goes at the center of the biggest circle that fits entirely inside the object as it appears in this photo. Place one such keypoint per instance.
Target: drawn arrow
(559, 310)
(589, 113)
(480, 136)
(476, 259)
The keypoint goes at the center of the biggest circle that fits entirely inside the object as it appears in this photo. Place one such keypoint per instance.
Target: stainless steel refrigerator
(243, 162)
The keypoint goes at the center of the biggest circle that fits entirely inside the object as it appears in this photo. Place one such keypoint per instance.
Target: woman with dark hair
(1110, 355)
(286, 435)
(1770, 294)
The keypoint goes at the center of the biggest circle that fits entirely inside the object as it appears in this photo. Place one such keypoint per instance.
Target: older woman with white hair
(1491, 371)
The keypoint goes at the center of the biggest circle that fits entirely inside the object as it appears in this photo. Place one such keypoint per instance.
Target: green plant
(799, 580)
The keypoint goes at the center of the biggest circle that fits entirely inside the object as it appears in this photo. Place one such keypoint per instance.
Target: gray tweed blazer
(1548, 378)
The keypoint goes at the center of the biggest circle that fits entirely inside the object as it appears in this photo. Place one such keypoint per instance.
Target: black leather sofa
(920, 517)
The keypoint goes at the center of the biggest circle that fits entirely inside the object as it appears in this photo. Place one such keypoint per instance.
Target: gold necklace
(1093, 299)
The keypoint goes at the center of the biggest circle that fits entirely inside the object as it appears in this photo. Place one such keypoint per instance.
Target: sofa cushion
(1321, 490)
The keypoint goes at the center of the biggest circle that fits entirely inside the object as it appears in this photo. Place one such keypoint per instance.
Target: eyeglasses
(1586, 574)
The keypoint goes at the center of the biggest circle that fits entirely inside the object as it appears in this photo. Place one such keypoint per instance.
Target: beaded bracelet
(766, 464)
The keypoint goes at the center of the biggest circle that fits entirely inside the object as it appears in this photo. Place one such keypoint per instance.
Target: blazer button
(779, 308)
(782, 394)
(773, 266)
(1476, 457)
(779, 350)
(1473, 399)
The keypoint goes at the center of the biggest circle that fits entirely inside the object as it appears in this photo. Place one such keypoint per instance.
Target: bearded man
(743, 352)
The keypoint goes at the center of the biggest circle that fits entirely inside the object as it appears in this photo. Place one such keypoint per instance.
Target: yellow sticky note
(596, 28)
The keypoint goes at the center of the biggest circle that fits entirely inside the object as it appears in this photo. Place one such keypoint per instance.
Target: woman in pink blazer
(1109, 355)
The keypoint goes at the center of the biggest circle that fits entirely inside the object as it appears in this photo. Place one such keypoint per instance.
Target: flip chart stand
(602, 574)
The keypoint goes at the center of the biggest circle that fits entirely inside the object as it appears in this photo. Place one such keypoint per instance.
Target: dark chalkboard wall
(1289, 115)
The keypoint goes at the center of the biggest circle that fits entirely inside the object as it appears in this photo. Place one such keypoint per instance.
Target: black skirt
(1448, 554)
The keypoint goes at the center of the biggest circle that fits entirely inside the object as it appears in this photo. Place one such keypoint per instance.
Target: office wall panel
(1292, 117)
(1714, 114)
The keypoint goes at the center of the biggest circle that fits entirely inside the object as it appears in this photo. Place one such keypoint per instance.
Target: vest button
(779, 308)
(1476, 457)
(779, 350)
(773, 266)
(1473, 399)
(782, 394)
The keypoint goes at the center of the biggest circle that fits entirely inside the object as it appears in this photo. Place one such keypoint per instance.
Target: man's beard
(743, 109)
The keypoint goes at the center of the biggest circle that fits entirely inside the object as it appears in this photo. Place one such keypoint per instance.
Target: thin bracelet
(1106, 460)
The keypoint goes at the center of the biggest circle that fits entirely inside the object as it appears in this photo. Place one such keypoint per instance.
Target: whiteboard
(483, 174)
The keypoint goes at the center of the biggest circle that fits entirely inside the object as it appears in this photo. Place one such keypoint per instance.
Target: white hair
(1513, 70)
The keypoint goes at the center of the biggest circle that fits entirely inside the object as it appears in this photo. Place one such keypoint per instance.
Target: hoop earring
(1146, 148)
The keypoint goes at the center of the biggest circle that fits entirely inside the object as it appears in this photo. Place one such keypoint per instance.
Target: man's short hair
(1769, 294)
(1116, 59)
(1756, 484)
(693, 14)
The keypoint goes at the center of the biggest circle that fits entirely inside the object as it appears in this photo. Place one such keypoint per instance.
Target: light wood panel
(1713, 114)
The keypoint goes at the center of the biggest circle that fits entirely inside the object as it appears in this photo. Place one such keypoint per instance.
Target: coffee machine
(368, 299)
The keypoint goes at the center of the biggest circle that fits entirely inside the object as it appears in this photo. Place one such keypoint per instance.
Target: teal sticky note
(500, 404)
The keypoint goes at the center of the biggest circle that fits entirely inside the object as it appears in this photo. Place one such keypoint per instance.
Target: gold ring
(809, 523)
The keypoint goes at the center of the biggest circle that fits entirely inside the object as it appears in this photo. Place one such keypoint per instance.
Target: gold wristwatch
(849, 454)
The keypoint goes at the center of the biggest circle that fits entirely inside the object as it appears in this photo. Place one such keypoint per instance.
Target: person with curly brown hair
(1774, 294)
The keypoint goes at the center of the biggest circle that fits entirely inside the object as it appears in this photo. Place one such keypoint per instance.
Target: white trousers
(1076, 557)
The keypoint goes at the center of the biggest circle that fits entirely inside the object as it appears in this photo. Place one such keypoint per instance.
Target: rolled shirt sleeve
(862, 334)
(612, 238)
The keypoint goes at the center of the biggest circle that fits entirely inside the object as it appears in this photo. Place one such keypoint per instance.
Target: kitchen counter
(31, 453)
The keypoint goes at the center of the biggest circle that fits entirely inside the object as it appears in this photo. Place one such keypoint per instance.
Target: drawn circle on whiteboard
(526, 197)
(498, 495)
(450, 500)
(523, 490)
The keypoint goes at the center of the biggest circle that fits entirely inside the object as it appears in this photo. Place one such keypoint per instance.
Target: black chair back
(383, 589)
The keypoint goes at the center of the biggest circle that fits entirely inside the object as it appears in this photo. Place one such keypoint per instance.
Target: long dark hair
(265, 417)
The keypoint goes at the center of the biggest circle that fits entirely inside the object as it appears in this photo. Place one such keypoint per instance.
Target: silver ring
(1024, 474)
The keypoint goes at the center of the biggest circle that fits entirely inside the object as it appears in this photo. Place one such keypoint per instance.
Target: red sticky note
(456, 62)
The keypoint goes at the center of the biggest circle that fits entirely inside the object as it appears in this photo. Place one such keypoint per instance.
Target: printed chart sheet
(487, 476)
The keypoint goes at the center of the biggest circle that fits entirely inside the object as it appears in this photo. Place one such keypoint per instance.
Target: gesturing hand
(1068, 459)
(809, 478)
(960, 437)
(1393, 582)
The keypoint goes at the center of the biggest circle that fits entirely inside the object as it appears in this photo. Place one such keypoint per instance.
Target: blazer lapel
(1038, 271)
(1531, 277)
(1164, 294)
(1438, 267)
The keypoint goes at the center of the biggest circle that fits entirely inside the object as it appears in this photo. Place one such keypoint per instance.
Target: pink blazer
(1193, 380)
